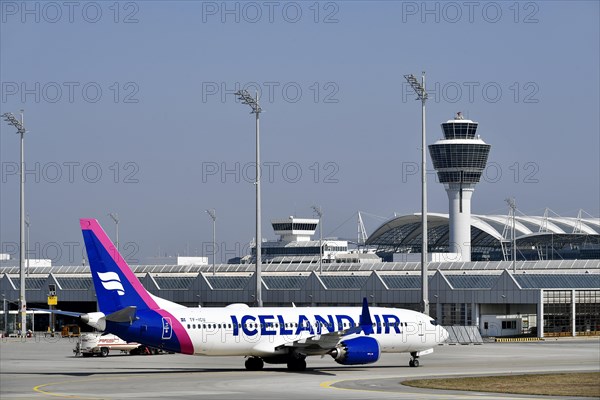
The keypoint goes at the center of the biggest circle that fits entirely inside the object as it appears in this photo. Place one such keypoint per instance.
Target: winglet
(366, 323)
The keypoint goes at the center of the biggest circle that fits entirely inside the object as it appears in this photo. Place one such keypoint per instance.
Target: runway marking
(39, 389)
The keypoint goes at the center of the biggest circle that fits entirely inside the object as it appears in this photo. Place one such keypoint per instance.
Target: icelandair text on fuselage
(276, 325)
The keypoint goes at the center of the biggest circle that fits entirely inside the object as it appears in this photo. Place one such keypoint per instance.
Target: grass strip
(565, 384)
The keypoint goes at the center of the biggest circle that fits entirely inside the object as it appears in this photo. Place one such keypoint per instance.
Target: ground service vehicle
(90, 344)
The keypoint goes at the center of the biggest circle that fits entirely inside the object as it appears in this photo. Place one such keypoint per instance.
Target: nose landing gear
(254, 364)
(414, 361)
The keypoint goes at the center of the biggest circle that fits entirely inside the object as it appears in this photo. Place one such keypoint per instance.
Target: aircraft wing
(318, 344)
(60, 312)
(325, 342)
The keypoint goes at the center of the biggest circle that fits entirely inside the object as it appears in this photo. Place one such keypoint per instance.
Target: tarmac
(47, 368)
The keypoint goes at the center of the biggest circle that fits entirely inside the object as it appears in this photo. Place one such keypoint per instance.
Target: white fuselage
(240, 330)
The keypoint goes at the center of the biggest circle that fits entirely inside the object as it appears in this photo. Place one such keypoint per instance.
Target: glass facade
(288, 226)
(456, 314)
(174, 282)
(296, 251)
(557, 313)
(30, 283)
(228, 282)
(75, 283)
(472, 281)
(459, 176)
(459, 155)
(587, 312)
(461, 130)
(558, 281)
(343, 281)
(285, 282)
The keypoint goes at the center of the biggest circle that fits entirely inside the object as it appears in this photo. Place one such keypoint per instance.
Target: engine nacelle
(356, 351)
(95, 320)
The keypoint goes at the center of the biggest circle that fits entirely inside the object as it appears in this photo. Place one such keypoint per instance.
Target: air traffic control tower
(459, 159)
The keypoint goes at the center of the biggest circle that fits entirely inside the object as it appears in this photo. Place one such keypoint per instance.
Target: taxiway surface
(46, 368)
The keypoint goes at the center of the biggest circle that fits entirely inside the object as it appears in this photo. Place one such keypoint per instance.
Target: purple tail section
(117, 287)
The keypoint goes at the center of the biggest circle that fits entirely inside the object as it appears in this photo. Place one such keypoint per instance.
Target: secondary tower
(459, 159)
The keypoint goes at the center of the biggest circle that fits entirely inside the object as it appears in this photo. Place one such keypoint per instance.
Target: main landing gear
(254, 364)
(296, 364)
(414, 361)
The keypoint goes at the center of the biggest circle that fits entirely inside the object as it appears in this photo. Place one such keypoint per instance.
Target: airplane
(273, 335)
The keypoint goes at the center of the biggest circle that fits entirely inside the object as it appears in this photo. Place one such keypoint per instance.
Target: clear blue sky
(170, 141)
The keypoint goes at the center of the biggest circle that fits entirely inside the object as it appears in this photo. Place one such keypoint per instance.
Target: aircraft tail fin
(117, 287)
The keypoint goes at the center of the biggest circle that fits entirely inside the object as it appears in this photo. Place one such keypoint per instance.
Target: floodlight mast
(245, 97)
(213, 215)
(421, 93)
(27, 255)
(20, 125)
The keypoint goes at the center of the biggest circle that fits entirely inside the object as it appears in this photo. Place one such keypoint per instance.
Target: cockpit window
(434, 322)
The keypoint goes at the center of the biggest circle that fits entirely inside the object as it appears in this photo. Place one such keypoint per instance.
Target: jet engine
(356, 351)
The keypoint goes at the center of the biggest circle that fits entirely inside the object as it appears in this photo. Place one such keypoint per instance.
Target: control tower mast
(459, 159)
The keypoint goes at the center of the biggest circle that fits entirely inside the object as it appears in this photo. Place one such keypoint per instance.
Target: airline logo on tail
(111, 281)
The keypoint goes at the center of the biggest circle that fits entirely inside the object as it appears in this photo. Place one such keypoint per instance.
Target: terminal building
(551, 287)
(562, 296)
(296, 245)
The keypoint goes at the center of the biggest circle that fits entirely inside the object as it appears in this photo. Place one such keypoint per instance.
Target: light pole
(115, 218)
(245, 97)
(20, 125)
(213, 215)
(513, 208)
(5, 331)
(419, 89)
(27, 222)
(319, 212)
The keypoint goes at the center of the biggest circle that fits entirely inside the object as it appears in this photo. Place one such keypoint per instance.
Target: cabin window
(188, 326)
